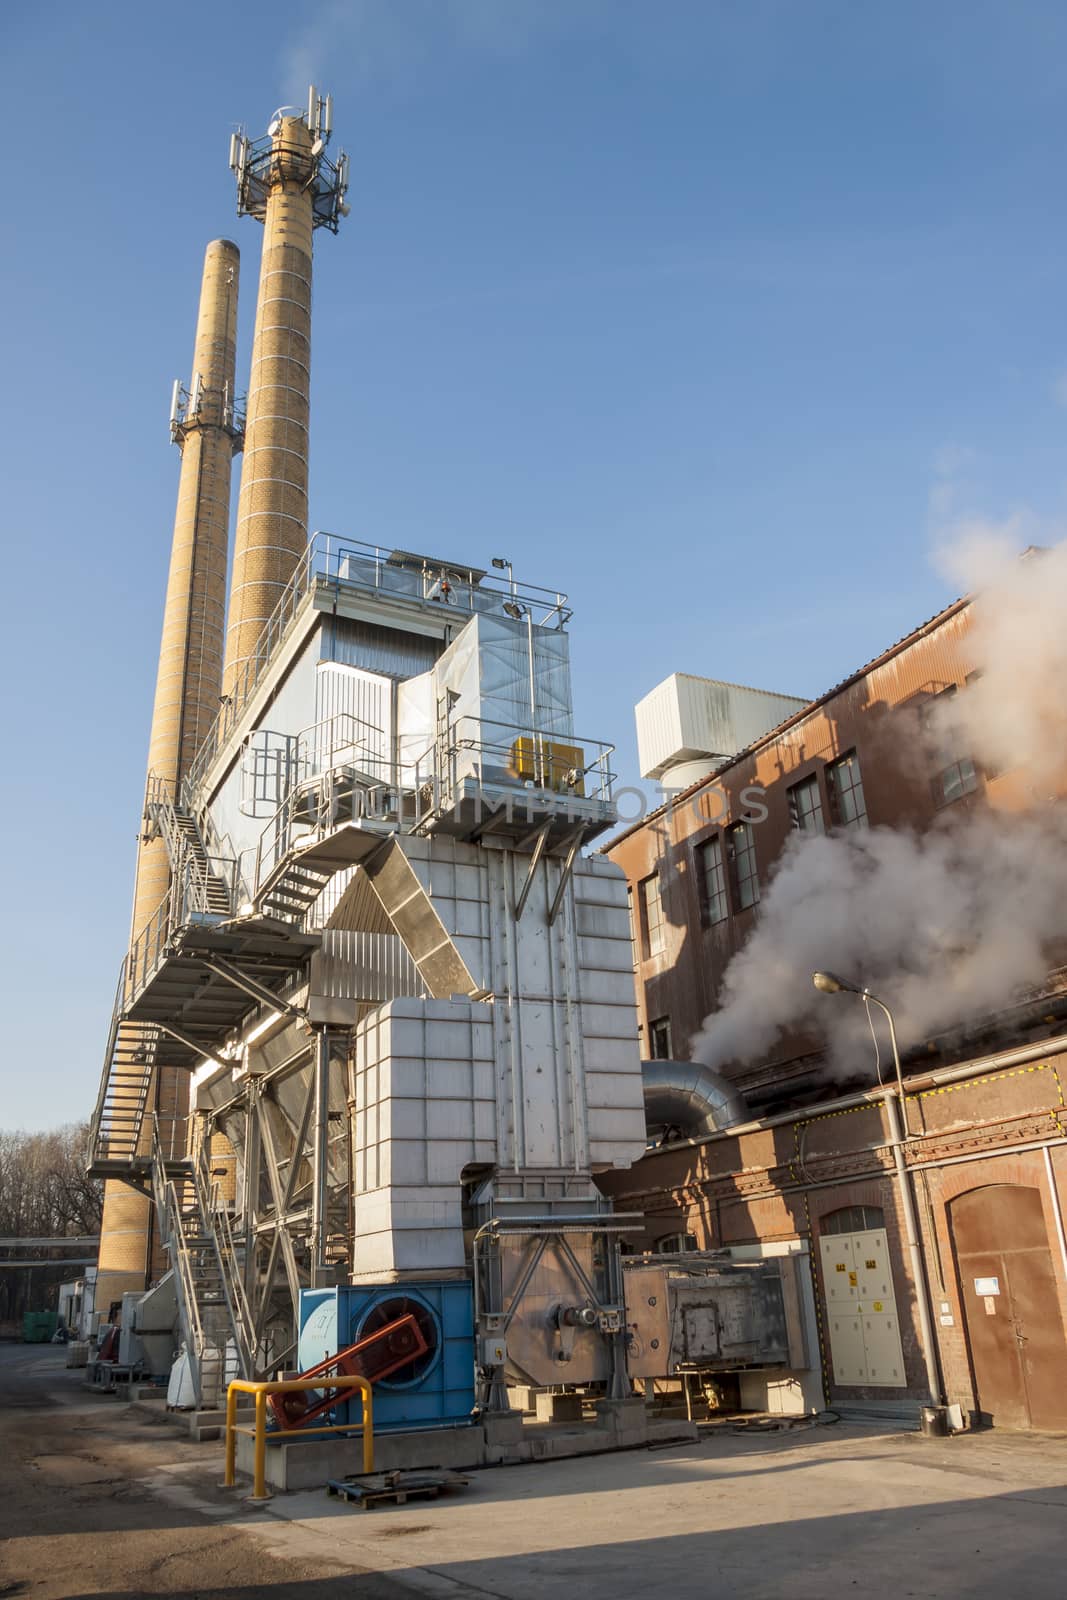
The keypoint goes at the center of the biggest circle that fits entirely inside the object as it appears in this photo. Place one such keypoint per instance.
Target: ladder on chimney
(213, 1310)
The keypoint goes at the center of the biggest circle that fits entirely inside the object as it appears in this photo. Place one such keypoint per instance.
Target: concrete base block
(501, 1438)
(559, 1407)
(523, 1397)
(308, 1464)
(503, 1427)
(625, 1420)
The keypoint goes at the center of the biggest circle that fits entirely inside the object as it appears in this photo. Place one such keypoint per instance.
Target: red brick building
(981, 1164)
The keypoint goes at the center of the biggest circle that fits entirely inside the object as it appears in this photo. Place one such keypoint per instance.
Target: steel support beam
(191, 1044)
(573, 846)
(321, 1151)
(251, 986)
(535, 861)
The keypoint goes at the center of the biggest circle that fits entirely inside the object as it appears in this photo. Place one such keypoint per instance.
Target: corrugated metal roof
(766, 739)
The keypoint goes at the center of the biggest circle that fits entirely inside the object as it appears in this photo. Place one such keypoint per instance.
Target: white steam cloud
(948, 925)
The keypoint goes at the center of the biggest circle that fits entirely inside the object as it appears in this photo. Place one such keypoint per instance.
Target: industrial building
(931, 1220)
(375, 1043)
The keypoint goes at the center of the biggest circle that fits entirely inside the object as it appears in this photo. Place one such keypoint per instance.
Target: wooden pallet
(395, 1488)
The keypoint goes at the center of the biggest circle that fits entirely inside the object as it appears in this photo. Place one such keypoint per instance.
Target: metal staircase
(216, 1320)
(117, 1126)
(207, 882)
(291, 890)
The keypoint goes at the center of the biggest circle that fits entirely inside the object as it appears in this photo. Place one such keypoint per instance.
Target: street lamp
(830, 983)
(502, 564)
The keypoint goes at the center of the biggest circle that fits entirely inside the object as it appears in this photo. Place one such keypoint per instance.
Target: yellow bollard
(260, 1391)
(259, 1484)
(231, 1437)
(368, 1431)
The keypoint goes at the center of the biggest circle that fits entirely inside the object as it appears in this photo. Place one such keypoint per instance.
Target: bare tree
(44, 1193)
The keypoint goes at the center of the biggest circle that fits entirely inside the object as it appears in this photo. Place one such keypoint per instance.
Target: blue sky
(708, 313)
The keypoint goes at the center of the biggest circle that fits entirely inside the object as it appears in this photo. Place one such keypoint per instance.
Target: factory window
(633, 929)
(676, 1244)
(805, 806)
(741, 856)
(659, 1039)
(955, 774)
(847, 806)
(852, 1219)
(715, 901)
(955, 780)
(651, 917)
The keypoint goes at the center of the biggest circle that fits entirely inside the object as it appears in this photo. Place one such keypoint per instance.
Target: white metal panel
(686, 717)
(873, 1270)
(846, 1346)
(881, 1342)
(416, 728)
(861, 1309)
(837, 1257)
(354, 719)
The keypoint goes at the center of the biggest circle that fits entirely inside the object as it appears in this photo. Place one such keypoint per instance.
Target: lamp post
(830, 983)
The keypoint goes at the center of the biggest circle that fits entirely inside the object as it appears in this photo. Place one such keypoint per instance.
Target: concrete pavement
(805, 1514)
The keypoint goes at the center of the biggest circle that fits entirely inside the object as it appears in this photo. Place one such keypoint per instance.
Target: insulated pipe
(980, 1067)
(689, 1096)
(272, 509)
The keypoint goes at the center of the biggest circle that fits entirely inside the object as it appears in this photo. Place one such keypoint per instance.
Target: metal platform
(194, 994)
(481, 809)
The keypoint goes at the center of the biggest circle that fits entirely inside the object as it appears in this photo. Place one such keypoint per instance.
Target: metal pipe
(321, 1156)
(689, 1095)
(260, 1390)
(918, 1269)
(972, 1069)
(1057, 1209)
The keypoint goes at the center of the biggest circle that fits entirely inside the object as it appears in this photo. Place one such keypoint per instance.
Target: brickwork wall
(778, 1183)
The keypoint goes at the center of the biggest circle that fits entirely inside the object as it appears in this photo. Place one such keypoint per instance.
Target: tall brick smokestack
(188, 681)
(287, 182)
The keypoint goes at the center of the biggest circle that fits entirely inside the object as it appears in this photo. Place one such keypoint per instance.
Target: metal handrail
(331, 562)
(259, 1432)
(191, 864)
(233, 1285)
(173, 1232)
(216, 1222)
(466, 737)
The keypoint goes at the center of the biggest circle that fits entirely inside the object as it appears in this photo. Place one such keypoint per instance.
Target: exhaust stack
(289, 184)
(205, 426)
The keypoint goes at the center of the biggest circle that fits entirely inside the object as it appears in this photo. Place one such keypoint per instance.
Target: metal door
(1010, 1306)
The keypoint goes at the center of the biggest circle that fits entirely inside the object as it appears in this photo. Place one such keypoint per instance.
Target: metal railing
(260, 1391)
(193, 867)
(331, 563)
(494, 753)
(215, 1216)
(172, 1231)
(339, 774)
